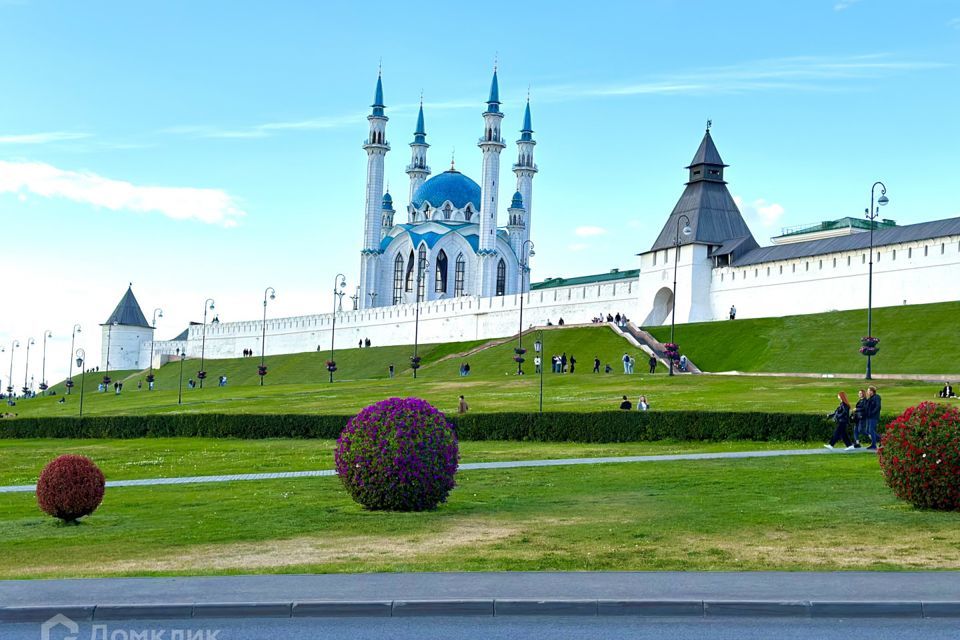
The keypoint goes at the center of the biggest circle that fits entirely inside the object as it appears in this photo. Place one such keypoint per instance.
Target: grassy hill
(913, 339)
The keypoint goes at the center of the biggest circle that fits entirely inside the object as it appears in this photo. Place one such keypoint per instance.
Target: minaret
(525, 168)
(418, 169)
(492, 144)
(376, 147)
(517, 228)
(388, 212)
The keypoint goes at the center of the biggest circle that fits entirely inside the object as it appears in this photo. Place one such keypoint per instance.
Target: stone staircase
(650, 345)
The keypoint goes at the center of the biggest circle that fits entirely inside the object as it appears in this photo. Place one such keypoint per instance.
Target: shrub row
(606, 426)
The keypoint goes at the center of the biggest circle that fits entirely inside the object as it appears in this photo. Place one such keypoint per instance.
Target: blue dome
(387, 201)
(450, 185)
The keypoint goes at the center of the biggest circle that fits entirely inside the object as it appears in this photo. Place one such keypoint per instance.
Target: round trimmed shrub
(70, 487)
(920, 456)
(399, 454)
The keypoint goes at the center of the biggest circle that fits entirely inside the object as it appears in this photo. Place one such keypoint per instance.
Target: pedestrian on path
(462, 406)
(652, 362)
(872, 411)
(859, 418)
(841, 417)
(573, 363)
(626, 363)
(596, 364)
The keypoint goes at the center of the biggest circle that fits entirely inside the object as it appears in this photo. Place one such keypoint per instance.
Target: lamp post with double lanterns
(523, 262)
(673, 353)
(106, 374)
(157, 313)
(81, 356)
(43, 362)
(538, 349)
(422, 267)
(208, 305)
(262, 370)
(869, 343)
(13, 347)
(339, 284)
(73, 336)
(26, 367)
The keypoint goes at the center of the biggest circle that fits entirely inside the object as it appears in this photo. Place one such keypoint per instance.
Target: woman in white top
(642, 404)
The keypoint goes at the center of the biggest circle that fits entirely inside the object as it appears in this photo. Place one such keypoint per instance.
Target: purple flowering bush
(399, 454)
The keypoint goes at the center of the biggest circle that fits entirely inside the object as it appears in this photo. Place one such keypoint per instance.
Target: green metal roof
(610, 276)
(842, 223)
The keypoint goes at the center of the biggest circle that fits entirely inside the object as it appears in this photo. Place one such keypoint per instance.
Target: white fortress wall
(917, 272)
(448, 320)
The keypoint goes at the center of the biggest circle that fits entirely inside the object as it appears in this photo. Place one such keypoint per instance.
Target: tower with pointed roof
(525, 169)
(717, 233)
(491, 144)
(376, 146)
(125, 331)
(418, 169)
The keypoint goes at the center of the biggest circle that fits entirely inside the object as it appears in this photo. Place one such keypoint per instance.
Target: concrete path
(693, 594)
(514, 464)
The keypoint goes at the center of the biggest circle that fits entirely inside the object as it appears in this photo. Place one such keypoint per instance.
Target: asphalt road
(554, 628)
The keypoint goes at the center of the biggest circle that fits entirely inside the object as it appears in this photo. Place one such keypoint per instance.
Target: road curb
(489, 607)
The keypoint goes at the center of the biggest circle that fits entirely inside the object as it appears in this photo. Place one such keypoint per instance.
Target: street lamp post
(208, 304)
(262, 371)
(526, 252)
(43, 362)
(183, 356)
(872, 213)
(81, 358)
(73, 336)
(106, 374)
(13, 347)
(340, 281)
(538, 349)
(676, 259)
(421, 274)
(26, 366)
(157, 313)
(355, 298)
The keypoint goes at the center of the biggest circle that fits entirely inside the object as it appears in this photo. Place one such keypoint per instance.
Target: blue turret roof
(493, 102)
(450, 185)
(527, 131)
(387, 201)
(378, 98)
(517, 202)
(419, 136)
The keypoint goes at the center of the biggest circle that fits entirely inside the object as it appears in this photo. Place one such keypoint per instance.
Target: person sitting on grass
(626, 405)
(841, 417)
(608, 368)
(462, 406)
(947, 391)
(642, 404)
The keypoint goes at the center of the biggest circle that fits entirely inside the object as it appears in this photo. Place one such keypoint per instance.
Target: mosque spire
(493, 102)
(418, 169)
(378, 96)
(526, 133)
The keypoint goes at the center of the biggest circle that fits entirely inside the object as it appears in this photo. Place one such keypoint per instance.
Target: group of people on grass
(864, 417)
(642, 404)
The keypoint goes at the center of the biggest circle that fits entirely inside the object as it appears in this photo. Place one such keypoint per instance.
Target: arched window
(501, 277)
(398, 279)
(440, 280)
(421, 271)
(459, 276)
(408, 281)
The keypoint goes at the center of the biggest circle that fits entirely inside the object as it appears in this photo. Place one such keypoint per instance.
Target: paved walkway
(510, 464)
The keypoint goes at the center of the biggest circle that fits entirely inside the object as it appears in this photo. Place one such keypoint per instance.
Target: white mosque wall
(448, 320)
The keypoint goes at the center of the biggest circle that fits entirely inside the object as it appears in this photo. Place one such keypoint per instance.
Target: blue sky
(214, 148)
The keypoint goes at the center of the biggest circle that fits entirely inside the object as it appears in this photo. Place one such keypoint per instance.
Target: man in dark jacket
(653, 364)
(596, 364)
(872, 415)
(626, 405)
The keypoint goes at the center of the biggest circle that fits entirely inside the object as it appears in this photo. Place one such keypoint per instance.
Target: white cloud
(588, 231)
(211, 206)
(766, 214)
(843, 5)
(41, 138)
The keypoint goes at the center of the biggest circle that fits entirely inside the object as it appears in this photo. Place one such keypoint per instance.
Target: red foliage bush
(70, 487)
(920, 456)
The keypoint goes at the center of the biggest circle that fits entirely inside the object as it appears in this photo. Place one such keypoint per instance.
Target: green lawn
(801, 513)
(913, 339)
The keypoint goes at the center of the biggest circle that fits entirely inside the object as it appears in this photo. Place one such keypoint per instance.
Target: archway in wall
(662, 303)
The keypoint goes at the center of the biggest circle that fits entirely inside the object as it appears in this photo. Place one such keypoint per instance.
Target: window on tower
(501, 277)
(460, 272)
(408, 280)
(440, 279)
(398, 279)
(421, 272)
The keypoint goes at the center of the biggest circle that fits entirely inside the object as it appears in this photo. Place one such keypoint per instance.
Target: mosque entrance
(662, 303)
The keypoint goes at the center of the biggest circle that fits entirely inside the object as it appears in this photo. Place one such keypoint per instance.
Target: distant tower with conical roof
(376, 146)
(124, 332)
(525, 169)
(418, 169)
(489, 268)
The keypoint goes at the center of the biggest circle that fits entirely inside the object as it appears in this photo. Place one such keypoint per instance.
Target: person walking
(873, 416)
(573, 363)
(466, 369)
(859, 418)
(626, 363)
(653, 363)
(733, 312)
(626, 405)
(462, 406)
(841, 417)
(596, 364)
(563, 362)
(536, 363)
(390, 370)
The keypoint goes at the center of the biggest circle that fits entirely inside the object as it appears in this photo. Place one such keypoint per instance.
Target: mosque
(451, 245)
